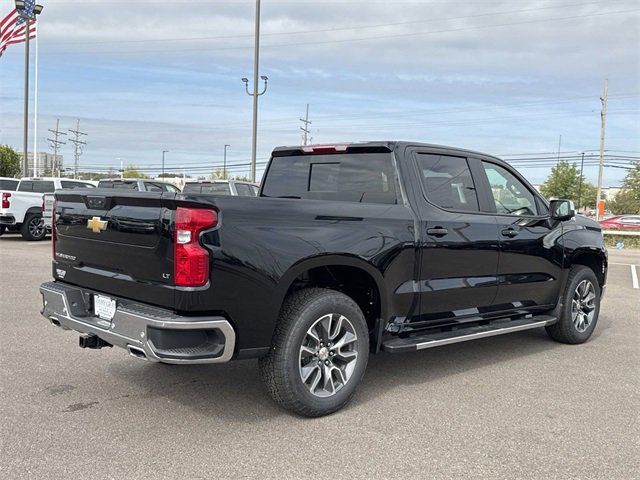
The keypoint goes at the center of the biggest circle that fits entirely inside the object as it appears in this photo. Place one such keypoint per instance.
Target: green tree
(628, 199)
(564, 182)
(9, 162)
(132, 171)
(220, 174)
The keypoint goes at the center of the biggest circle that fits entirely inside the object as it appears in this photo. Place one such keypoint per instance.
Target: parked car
(138, 184)
(222, 187)
(349, 249)
(622, 222)
(22, 209)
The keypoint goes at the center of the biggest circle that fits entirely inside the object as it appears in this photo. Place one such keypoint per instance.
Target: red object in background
(622, 222)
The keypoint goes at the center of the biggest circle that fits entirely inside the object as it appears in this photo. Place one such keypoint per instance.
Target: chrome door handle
(509, 232)
(437, 232)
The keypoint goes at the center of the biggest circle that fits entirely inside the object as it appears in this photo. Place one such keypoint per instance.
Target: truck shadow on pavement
(235, 392)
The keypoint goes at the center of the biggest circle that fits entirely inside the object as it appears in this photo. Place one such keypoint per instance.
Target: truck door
(459, 243)
(530, 265)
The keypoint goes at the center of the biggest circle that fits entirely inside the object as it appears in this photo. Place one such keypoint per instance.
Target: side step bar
(438, 339)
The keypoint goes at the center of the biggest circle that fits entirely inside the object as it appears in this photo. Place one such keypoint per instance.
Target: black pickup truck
(347, 250)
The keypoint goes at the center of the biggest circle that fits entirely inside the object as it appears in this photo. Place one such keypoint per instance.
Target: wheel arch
(350, 275)
(594, 259)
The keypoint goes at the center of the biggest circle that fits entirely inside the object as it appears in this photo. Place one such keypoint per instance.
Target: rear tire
(33, 228)
(580, 309)
(2, 229)
(318, 354)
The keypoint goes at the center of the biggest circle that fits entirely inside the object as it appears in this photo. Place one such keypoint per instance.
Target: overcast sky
(503, 77)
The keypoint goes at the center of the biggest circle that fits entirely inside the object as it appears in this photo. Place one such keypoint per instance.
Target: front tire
(33, 228)
(318, 354)
(580, 309)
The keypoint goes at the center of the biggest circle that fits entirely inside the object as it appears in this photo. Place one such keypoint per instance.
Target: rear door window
(153, 187)
(243, 190)
(447, 182)
(349, 177)
(10, 185)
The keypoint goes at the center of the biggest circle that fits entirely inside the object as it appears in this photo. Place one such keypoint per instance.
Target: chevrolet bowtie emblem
(96, 225)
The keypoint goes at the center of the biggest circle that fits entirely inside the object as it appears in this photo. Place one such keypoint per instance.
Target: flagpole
(25, 162)
(36, 169)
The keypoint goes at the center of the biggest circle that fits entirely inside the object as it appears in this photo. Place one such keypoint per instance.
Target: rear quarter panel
(262, 244)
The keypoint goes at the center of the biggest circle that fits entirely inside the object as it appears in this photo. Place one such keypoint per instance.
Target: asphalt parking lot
(515, 406)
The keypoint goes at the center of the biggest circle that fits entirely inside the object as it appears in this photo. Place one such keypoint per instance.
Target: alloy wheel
(583, 305)
(36, 227)
(328, 355)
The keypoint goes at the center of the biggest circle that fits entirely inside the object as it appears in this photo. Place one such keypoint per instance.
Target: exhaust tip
(137, 352)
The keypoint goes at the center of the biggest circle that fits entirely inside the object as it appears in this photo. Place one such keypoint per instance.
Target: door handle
(437, 232)
(509, 232)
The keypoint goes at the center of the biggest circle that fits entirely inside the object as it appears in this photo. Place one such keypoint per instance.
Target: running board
(438, 339)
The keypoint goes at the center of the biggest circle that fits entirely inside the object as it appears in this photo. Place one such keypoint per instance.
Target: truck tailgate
(118, 243)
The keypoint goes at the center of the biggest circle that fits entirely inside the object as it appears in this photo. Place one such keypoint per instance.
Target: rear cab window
(347, 177)
(72, 185)
(37, 186)
(207, 187)
(124, 185)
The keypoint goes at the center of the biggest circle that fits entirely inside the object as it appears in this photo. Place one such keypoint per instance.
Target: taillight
(191, 260)
(5, 200)
(53, 229)
(42, 205)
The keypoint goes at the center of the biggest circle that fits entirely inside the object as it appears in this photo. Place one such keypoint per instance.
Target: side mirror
(562, 209)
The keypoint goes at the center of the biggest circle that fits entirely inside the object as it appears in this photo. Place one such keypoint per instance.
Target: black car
(348, 249)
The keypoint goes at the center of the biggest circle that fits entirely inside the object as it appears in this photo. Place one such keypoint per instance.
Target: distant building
(47, 164)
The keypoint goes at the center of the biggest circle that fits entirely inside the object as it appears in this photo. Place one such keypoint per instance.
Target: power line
(78, 146)
(361, 39)
(337, 29)
(54, 143)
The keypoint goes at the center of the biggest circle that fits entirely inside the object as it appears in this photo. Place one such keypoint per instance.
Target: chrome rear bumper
(146, 332)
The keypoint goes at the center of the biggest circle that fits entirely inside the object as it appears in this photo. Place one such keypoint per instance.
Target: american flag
(13, 28)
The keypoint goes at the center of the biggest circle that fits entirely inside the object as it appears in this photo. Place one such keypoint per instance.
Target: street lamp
(163, 152)
(255, 94)
(224, 164)
(27, 11)
(580, 185)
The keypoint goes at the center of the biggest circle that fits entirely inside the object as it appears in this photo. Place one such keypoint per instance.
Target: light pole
(254, 137)
(255, 94)
(580, 185)
(163, 152)
(27, 11)
(224, 163)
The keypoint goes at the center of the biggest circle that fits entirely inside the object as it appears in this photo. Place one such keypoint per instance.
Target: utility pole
(559, 147)
(255, 94)
(580, 185)
(603, 118)
(224, 162)
(163, 152)
(54, 143)
(305, 130)
(78, 147)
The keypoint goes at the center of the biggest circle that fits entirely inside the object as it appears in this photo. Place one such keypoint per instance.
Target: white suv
(22, 209)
